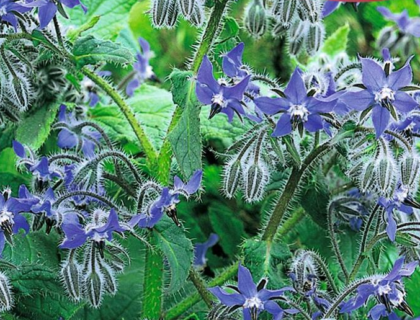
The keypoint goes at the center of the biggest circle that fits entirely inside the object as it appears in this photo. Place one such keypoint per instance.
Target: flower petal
(228, 299)
(271, 106)
(46, 13)
(283, 127)
(296, 89)
(205, 75)
(380, 118)
(358, 100)
(373, 76)
(404, 102)
(246, 284)
(314, 123)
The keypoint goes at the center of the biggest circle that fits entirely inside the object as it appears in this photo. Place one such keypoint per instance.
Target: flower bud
(387, 37)
(19, 90)
(312, 9)
(279, 29)
(232, 173)
(71, 276)
(159, 12)
(172, 14)
(385, 173)
(109, 278)
(197, 16)
(255, 19)
(187, 7)
(367, 176)
(284, 10)
(409, 167)
(6, 299)
(94, 287)
(315, 38)
(256, 178)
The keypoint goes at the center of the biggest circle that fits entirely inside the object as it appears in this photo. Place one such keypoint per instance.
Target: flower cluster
(165, 13)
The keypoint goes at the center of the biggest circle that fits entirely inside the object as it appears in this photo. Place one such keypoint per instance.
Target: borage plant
(235, 195)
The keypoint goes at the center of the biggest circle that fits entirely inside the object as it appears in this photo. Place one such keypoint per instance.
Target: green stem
(291, 222)
(288, 193)
(201, 287)
(210, 34)
(153, 284)
(186, 304)
(148, 148)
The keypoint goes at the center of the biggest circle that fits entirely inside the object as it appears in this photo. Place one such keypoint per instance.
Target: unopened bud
(231, 179)
(298, 30)
(409, 167)
(315, 38)
(187, 7)
(255, 180)
(19, 89)
(6, 299)
(197, 16)
(94, 288)
(312, 9)
(159, 12)
(71, 276)
(109, 278)
(279, 29)
(284, 10)
(385, 173)
(255, 19)
(172, 14)
(367, 176)
(387, 37)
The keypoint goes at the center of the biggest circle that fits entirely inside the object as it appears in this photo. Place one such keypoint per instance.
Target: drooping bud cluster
(165, 13)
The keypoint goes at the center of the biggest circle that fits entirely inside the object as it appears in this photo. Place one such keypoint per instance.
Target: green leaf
(229, 228)
(153, 108)
(73, 34)
(177, 249)
(266, 259)
(90, 50)
(337, 42)
(35, 127)
(10, 177)
(114, 15)
(185, 138)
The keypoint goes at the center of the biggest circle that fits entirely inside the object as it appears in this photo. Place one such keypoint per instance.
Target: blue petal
(19, 149)
(380, 118)
(246, 284)
(46, 13)
(358, 100)
(391, 227)
(404, 102)
(283, 127)
(228, 299)
(271, 106)
(296, 89)
(373, 76)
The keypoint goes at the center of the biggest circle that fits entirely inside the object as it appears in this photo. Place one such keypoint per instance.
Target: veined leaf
(337, 42)
(177, 249)
(10, 177)
(185, 138)
(90, 50)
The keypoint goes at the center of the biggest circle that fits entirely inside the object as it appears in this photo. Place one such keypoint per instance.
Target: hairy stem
(201, 287)
(288, 193)
(148, 148)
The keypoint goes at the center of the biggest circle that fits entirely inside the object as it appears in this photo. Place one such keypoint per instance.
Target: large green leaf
(177, 249)
(34, 129)
(90, 50)
(114, 16)
(185, 138)
(153, 108)
(266, 259)
(10, 177)
(337, 42)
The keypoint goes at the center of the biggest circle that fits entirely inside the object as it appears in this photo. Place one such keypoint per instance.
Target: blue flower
(405, 24)
(41, 204)
(11, 221)
(297, 109)
(252, 298)
(401, 201)
(167, 201)
(40, 168)
(8, 10)
(92, 91)
(72, 136)
(383, 93)
(330, 6)
(142, 68)
(200, 250)
(388, 290)
(222, 98)
(101, 228)
(47, 9)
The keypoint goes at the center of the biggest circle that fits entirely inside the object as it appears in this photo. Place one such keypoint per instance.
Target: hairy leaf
(177, 249)
(337, 42)
(90, 50)
(10, 177)
(185, 138)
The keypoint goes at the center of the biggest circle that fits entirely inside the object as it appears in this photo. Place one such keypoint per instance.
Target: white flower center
(401, 193)
(385, 94)
(382, 290)
(219, 100)
(298, 112)
(3, 11)
(6, 216)
(253, 302)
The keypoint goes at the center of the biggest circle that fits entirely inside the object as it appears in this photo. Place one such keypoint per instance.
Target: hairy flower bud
(197, 16)
(367, 176)
(6, 299)
(172, 14)
(71, 275)
(385, 173)
(159, 12)
(232, 173)
(315, 38)
(255, 179)
(109, 278)
(409, 167)
(255, 18)
(284, 11)
(94, 287)
(187, 7)
(312, 9)
(387, 37)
